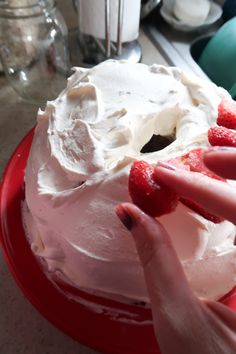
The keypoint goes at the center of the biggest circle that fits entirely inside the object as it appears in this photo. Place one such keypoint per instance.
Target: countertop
(22, 329)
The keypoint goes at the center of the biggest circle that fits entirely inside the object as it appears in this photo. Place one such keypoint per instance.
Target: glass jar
(34, 48)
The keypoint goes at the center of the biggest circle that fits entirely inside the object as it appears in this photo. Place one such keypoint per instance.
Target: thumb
(166, 282)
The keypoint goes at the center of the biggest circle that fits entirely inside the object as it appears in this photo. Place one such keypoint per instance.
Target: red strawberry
(220, 136)
(155, 198)
(194, 161)
(200, 210)
(227, 114)
(151, 196)
(178, 163)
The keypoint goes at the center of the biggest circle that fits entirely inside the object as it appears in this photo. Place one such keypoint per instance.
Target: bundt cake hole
(156, 143)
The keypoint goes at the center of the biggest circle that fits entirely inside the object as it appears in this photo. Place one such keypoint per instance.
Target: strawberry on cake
(108, 119)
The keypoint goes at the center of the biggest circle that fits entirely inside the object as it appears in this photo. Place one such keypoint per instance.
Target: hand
(183, 323)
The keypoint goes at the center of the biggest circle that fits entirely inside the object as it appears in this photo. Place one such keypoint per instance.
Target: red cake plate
(99, 323)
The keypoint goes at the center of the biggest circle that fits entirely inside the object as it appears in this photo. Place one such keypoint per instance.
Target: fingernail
(124, 217)
(166, 165)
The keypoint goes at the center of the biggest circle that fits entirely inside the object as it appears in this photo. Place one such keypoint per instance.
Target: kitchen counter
(22, 329)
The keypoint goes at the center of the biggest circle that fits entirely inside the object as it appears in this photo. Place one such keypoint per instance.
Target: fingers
(173, 303)
(182, 323)
(222, 161)
(217, 197)
(226, 315)
(165, 278)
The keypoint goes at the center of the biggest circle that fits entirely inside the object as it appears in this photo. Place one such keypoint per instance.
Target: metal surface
(95, 50)
(107, 28)
(130, 51)
(119, 27)
(175, 46)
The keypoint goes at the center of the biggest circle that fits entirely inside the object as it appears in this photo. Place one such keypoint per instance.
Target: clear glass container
(34, 48)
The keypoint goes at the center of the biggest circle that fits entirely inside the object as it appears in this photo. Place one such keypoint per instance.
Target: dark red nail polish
(124, 217)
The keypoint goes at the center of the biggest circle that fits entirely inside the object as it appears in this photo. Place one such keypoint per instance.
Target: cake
(77, 172)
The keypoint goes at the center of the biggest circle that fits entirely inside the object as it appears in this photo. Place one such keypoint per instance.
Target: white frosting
(191, 13)
(78, 168)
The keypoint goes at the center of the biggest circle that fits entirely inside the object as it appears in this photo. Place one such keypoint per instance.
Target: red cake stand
(116, 329)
